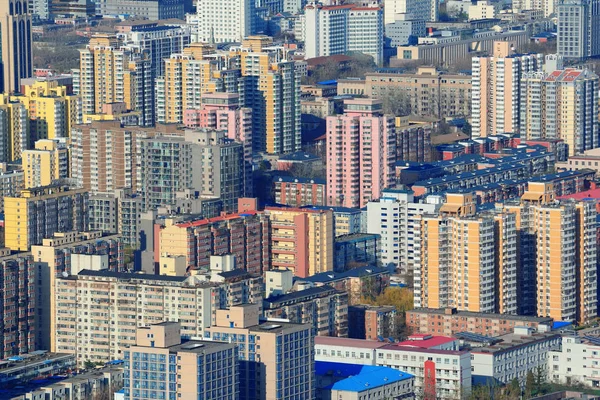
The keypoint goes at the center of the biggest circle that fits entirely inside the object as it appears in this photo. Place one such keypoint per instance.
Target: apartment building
(413, 140)
(246, 236)
(543, 115)
(195, 369)
(459, 252)
(496, 84)
(160, 41)
(109, 73)
(323, 307)
(338, 29)
(578, 28)
(276, 358)
(299, 192)
(116, 213)
(301, 239)
(152, 10)
(440, 369)
(420, 10)
(37, 213)
(517, 354)
(425, 93)
(19, 333)
(12, 181)
(395, 218)
(372, 322)
(361, 153)
(347, 351)
(450, 321)
(346, 220)
(17, 58)
(225, 23)
(575, 362)
(45, 164)
(553, 238)
(354, 281)
(14, 129)
(67, 254)
(52, 110)
(86, 329)
(356, 249)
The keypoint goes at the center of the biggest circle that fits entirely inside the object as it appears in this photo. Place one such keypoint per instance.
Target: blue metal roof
(560, 324)
(329, 82)
(358, 378)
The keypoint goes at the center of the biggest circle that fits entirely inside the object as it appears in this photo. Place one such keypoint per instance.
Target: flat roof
(426, 341)
(129, 275)
(442, 311)
(359, 378)
(198, 346)
(345, 342)
(325, 277)
(512, 341)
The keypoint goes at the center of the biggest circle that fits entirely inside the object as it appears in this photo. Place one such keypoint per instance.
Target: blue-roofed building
(354, 382)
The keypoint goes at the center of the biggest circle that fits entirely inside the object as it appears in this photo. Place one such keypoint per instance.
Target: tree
(396, 102)
(467, 129)
(529, 384)
(89, 364)
(309, 171)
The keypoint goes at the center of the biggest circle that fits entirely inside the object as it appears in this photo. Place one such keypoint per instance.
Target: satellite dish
(65, 274)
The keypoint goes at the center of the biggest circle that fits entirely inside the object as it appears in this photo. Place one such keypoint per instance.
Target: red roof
(588, 194)
(425, 341)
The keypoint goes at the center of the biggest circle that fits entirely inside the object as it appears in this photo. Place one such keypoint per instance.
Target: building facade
(17, 53)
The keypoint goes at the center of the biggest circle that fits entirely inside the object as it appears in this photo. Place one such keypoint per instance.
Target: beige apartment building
(279, 355)
(189, 369)
(427, 93)
(98, 312)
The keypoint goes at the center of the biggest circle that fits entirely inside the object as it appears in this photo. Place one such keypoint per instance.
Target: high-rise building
(48, 162)
(217, 166)
(301, 240)
(52, 110)
(116, 212)
(105, 155)
(14, 129)
(270, 86)
(361, 148)
(72, 8)
(200, 369)
(223, 22)
(496, 89)
(18, 333)
(578, 28)
(423, 10)
(457, 262)
(17, 55)
(84, 328)
(38, 213)
(160, 41)
(557, 256)
(222, 111)
(338, 29)
(276, 358)
(246, 236)
(395, 217)
(109, 73)
(561, 105)
(39, 9)
(546, 7)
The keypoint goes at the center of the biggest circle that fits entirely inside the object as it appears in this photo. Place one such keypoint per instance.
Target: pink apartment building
(222, 111)
(360, 153)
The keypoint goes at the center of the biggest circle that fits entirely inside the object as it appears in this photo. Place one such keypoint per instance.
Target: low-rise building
(356, 249)
(324, 307)
(577, 361)
(372, 322)
(450, 321)
(355, 382)
(513, 357)
(348, 351)
(19, 370)
(299, 192)
(440, 369)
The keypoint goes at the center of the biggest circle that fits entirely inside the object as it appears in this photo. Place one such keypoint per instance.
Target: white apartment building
(396, 217)
(225, 21)
(423, 10)
(577, 361)
(517, 354)
(483, 10)
(338, 29)
(97, 312)
(452, 368)
(347, 351)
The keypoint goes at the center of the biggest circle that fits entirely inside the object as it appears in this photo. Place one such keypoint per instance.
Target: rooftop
(588, 194)
(425, 341)
(513, 341)
(130, 275)
(327, 277)
(295, 179)
(298, 156)
(345, 342)
(276, 327)
(306, 294)
(335, 209)
(198, 346)
(442, 311)
(359, 378)
(353, 237)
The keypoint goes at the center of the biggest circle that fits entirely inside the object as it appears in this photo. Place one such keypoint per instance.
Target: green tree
(529, 384)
